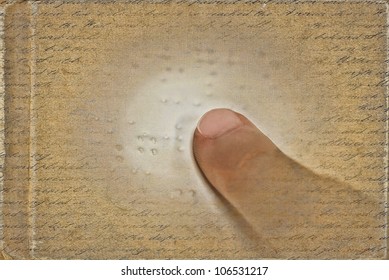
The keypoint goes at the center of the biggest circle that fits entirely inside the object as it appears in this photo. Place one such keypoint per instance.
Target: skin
(298, 213)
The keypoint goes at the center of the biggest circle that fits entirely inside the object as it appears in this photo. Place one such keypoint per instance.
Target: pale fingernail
(217, 122)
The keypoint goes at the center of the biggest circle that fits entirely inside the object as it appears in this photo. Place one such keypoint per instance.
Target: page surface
(102, 100)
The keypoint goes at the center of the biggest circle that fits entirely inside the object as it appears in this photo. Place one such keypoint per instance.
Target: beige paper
(101, 101)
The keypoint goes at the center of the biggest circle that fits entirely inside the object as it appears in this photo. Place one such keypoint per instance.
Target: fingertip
(218, 122)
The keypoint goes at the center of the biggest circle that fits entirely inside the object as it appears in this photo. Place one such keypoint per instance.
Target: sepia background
(102, 98)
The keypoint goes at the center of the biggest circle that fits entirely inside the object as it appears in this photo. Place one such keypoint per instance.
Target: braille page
(102, 99)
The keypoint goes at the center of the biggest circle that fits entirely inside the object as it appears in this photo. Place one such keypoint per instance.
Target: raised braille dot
(119, 158)
(118, 147)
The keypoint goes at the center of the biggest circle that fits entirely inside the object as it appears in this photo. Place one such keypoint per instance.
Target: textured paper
(101, 100)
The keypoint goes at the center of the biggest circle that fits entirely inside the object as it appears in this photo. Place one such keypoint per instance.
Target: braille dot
(119, 158)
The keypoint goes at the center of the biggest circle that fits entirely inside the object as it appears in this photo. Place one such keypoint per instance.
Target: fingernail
(217, 122)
